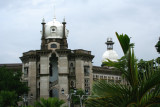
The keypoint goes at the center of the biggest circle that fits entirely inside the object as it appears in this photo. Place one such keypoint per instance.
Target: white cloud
(90, 22)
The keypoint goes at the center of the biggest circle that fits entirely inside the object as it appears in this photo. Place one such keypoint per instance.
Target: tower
(110, 53)
(54, 66)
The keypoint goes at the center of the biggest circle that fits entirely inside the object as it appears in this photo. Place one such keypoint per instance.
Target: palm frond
(124, 41)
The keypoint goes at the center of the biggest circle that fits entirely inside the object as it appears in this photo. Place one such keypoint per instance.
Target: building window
(109, 77)
(50, 69)
(86, 70)
(72, 84)
(26, 72)
(101, 77)
(53, 68)
(72, 69)
(97, 76)
(86, 82)
(105, 77)
(38, 72)
(112, 78)
(50, 93)
(116, 78)
(53, 46)
(87, 90)
(53, 30)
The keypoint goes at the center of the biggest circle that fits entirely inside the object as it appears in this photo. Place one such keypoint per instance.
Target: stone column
(32, 80)
(63, 76)
(63, 72)
(79, 71)
(91, 75)
(44, 76)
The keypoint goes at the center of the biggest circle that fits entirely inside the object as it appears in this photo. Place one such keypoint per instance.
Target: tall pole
(81, 101)
(69, 103)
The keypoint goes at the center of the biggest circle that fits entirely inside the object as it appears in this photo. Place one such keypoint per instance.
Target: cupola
(110, 53)
(54, 29)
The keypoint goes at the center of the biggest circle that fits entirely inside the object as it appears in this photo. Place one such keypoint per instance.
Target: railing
(52, 84)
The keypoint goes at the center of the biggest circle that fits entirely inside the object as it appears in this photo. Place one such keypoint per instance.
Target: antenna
(64, 19)
(54, 12)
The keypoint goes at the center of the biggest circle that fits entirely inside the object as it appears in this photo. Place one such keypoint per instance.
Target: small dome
(111, 55)
(54, 29)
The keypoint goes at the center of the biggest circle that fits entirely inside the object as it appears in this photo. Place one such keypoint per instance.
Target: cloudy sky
(89, 22)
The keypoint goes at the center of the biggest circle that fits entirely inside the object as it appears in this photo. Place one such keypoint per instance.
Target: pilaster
(79, 71)
(63, 72)
(32, 79)
(44, 74)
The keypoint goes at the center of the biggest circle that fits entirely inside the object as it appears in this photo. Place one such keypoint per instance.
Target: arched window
(53, 30)
(72, 84)
(71, 65)
(53, 46)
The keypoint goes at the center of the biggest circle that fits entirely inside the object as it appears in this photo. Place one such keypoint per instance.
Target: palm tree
(50, 102)
(143, 89)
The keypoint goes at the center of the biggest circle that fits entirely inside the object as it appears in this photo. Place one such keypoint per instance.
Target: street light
(82, 97)
(69, 95)
(75, 90)
(26, 98)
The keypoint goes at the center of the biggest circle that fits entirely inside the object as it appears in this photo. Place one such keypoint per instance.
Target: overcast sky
(89, 22)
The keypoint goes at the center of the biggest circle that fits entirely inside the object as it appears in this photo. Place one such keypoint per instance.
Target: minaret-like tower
(43, 35)
(109, 44)
(64, 44)
(109, 53)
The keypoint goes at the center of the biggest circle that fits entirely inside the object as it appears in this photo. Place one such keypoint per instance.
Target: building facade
(55, 67)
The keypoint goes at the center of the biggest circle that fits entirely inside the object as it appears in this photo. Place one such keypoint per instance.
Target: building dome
(54, 29)
(110, 53)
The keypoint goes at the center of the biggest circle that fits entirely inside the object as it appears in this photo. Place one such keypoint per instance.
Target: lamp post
(82, 97)
(69, 96)
(26, 98)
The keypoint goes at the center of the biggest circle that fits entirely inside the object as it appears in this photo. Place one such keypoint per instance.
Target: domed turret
(110, 53)
(54, 29)
(54, 35)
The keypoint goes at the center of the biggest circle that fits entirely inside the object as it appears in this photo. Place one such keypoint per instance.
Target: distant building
(13, 66)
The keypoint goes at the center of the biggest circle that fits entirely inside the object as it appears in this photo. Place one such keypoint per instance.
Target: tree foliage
(11, 85)
(75, 98)
(8, 98)
(50, 102)
(143, 89)
(158, 46)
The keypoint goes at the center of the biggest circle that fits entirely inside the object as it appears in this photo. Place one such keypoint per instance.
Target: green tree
(50, 102)
(11, 85)
(75, 98)
(143, 89)
(8, 98)
(158, 46)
